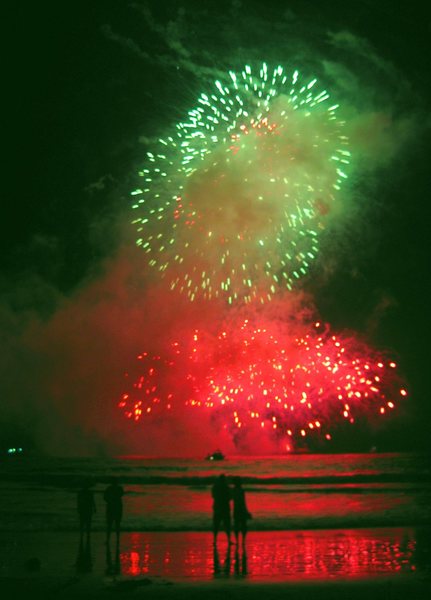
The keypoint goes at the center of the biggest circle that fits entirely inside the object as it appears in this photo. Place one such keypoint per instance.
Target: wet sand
(385, 563)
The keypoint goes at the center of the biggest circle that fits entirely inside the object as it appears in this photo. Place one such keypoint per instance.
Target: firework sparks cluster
(232, 206)
(234, 200)
(288, 384)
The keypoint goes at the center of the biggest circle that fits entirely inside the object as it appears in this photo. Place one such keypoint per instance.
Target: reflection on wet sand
(223, 567)
(328, 554)
(84, 560)
(113, 567)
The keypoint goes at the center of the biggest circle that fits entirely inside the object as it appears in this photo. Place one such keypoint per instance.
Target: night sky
(88, 85)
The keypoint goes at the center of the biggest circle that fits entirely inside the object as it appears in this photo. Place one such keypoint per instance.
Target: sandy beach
(379, 563)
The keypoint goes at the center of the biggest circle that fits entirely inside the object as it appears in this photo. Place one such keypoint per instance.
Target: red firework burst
(286, 381)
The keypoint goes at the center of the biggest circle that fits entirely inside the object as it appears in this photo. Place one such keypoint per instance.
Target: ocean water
(289, 493)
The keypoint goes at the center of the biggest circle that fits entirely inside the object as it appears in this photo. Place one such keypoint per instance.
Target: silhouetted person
(240, 565)
(221, 495)
(114, 508)
(222, 569)
(86, 509)
(216, 560)
(240, 511)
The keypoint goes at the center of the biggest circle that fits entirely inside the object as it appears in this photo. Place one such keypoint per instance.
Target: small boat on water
(217, 455)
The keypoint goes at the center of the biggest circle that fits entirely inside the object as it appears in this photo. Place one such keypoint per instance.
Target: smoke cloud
(66, 355)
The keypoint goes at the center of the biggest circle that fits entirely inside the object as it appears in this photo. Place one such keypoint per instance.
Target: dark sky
(87, 83)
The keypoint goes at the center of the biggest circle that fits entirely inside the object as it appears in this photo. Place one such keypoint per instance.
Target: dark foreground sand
(353, 590)
(387, 563)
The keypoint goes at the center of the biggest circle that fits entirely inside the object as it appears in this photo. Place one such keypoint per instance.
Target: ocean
(293, 492)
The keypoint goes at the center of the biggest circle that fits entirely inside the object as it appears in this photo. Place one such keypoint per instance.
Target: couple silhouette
(86, 507)
(222, 495)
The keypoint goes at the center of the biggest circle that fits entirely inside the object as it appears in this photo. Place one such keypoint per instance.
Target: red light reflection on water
(318, 507)
(279, 507)
(329, 554)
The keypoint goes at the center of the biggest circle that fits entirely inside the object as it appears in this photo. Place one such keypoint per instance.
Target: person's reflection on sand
(222, 569)
(113, 567)
(84, 562)
(240, 564)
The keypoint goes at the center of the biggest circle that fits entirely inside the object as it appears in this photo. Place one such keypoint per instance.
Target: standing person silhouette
(221, 495)
(240, 511)
(86, 508)
(114, 508)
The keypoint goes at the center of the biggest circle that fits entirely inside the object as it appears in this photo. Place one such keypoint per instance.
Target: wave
(420, 521)
(75, 480)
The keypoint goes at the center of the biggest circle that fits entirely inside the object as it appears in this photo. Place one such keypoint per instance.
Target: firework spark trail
(232, 203)
(287, 384)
